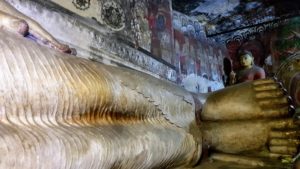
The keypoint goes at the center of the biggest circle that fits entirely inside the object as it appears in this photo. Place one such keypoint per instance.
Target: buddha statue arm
(13, 24)
(20, 23)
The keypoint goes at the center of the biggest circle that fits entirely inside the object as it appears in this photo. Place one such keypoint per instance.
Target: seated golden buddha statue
(60, 111)
(249, 71)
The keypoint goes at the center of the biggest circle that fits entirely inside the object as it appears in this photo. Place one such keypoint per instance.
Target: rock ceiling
(226, 15)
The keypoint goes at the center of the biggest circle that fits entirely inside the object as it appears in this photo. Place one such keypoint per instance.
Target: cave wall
(284, 43)
(143, 35)
(141, 23)
(93, 40)
(200, 60)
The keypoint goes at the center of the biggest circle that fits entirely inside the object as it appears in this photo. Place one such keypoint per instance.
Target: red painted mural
(148, 25)
(160, 24)
(197, 56)
(176, 40)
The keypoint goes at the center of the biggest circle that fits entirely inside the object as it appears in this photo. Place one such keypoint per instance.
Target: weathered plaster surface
(91, 40)
(200, 60)
(149, 41)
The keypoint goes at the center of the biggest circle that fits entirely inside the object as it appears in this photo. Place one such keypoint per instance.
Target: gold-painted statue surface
(59, 111)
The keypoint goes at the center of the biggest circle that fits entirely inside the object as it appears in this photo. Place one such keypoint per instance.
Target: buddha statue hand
(14, 21)
(232, 78)
(62, 48)
(252, 116)
(13, 24)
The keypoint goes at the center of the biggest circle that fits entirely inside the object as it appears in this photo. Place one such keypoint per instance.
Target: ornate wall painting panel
(189, 55)
(160, 24)
(144, 24)
(289, 74)
(285, 41)
(91, 40)
(85, 8)
(108, 13)
(200, 67)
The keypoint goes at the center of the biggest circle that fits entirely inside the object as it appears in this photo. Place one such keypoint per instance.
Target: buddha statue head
(246, 59)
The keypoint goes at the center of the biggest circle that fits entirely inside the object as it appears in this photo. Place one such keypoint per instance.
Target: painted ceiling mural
(227, 15)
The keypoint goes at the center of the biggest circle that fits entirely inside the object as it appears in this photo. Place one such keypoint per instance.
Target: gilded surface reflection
(59, 111)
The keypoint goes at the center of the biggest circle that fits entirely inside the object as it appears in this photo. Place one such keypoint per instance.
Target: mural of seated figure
(60, 111)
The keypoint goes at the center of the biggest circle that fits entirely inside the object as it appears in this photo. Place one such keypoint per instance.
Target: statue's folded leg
(132, 145)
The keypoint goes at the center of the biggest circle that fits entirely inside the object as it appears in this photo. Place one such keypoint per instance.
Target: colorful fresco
(142, 23)
(285, 42)
(160, 23)
(148, 26)
(136, 30)
(140, 26)
(152, 28)
(85, 8)
(199, 60)
(289, 74)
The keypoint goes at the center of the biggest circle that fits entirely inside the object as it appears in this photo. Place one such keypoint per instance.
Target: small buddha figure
(249, 71)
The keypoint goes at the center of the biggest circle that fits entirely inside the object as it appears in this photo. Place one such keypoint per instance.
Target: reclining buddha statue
(61, 111)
